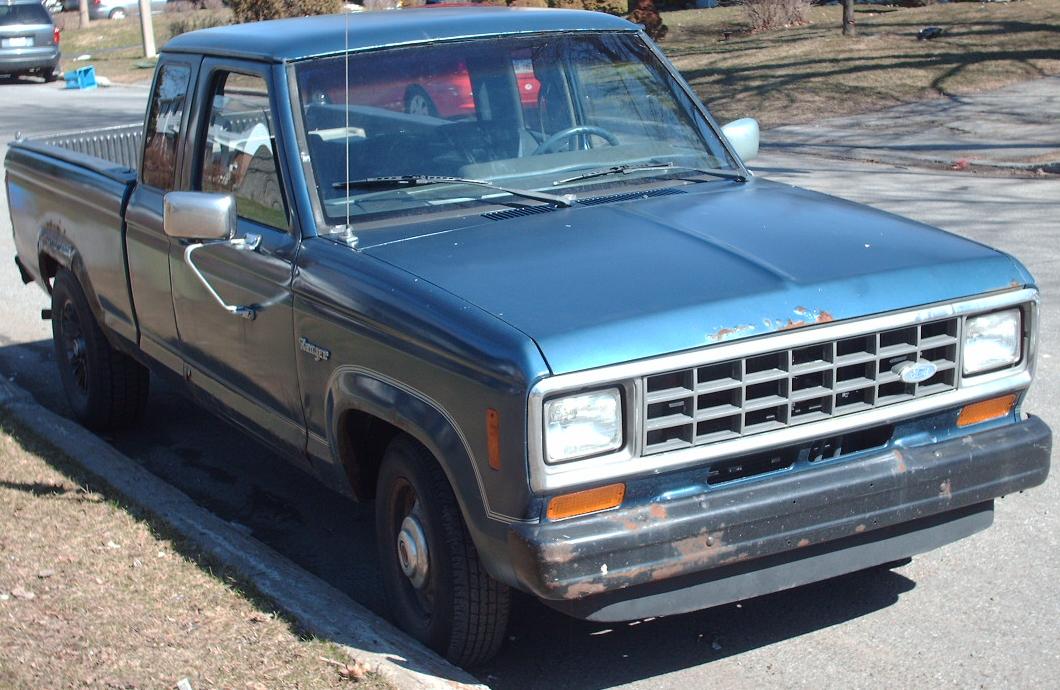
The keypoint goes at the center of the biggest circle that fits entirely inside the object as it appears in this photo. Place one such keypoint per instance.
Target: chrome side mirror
(208, 220)
(743, 136)
(199, 216)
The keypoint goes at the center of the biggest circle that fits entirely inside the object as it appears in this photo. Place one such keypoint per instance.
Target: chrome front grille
(734, 398)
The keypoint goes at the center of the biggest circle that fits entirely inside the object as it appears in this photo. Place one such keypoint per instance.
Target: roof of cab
(295, 39)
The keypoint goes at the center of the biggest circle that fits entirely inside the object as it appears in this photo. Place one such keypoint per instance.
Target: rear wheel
(49, 75)
(117, 13)
(106, 388)
(435, 586)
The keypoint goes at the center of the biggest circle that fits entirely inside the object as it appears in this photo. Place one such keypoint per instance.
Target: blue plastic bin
(81, 78)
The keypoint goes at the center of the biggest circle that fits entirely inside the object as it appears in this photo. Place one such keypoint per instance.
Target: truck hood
(616, 282)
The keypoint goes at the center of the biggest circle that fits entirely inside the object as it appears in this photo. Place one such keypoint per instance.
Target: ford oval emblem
(915, 372)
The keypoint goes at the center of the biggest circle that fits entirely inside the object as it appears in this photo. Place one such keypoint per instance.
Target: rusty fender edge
(652, 542)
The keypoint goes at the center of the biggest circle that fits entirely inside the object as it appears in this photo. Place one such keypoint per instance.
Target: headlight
(991, 341)
(584, 424)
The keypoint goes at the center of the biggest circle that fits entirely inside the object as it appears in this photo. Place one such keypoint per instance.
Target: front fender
(353, 388)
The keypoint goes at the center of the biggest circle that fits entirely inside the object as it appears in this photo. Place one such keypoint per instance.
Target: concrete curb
(317, 606)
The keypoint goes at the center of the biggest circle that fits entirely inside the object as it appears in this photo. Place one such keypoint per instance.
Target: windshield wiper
(398, 181)
(638, 167)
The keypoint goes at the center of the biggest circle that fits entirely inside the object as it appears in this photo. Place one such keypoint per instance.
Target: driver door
(244, 365)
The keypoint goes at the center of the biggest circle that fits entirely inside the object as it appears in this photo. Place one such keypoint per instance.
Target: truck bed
(68, 193)
(111, 151)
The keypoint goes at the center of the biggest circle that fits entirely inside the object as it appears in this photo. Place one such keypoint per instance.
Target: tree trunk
(849, 29)
(147, 29)
(82, 9)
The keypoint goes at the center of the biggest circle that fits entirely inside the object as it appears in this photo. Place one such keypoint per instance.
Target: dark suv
(29, 41)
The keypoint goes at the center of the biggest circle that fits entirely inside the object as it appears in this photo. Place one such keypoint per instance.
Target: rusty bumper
(873, 498)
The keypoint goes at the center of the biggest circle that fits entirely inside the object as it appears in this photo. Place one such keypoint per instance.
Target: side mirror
(199, 216)
(743, 136)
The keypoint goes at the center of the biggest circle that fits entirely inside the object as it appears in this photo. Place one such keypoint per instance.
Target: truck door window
(238, 151)
(163, 126)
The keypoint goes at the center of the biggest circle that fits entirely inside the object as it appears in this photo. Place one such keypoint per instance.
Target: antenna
(346, 85)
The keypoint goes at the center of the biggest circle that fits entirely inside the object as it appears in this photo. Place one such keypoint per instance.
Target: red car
(437, 90)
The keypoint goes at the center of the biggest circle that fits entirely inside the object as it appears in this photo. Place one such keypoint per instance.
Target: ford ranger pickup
(560, 334)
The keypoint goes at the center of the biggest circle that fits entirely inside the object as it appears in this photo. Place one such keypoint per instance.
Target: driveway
(1014, 128)
(982, 612)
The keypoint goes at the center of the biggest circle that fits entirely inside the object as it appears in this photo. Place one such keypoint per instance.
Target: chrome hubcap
(412, 551)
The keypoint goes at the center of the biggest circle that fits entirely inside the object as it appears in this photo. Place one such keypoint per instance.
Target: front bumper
(656, 542)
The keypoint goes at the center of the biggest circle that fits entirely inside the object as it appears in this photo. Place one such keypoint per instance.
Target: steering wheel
(549, 144)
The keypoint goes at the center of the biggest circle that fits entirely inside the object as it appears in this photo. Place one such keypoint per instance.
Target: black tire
(49, 75)
(459, 611)
(117, 14)
(106, 388)
(418, 102)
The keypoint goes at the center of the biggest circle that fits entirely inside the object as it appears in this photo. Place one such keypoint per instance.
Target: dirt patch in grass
(805, 73)
(115, 46)
(92, 595)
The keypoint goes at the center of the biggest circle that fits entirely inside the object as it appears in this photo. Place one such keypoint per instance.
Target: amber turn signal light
(986, 410)
(585, 502)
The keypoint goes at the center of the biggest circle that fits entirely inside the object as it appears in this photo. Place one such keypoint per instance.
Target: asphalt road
(982, 612)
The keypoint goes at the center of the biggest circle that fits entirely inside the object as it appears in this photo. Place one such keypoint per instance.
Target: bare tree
(849, 28)
(82, 9)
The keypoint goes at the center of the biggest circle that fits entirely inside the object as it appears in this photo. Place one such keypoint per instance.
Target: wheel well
(48, 268)
(362, 440)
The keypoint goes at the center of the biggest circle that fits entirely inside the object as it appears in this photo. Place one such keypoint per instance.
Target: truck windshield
(527, 113)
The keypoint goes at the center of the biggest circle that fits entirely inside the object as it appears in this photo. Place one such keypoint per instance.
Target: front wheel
(117, 14)
(106, 388)
(435, 586)
(418, 102)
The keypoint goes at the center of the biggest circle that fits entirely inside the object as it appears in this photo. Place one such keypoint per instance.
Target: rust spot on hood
(803, 543)
(657, 511)
(859, 529)
(726, 333)
(824, 317)
(792, 324)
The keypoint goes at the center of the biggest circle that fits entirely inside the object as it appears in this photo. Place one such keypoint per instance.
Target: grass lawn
(805, 73)
(92, 596)
(116, 46)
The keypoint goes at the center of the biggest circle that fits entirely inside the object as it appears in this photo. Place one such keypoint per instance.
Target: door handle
(249, 242)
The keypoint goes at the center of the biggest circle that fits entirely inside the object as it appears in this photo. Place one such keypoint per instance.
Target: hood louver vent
(518, 212)
(509, 213)
(627, 196)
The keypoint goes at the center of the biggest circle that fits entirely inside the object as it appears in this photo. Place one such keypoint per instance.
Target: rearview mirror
(743, 136)
(199, 216)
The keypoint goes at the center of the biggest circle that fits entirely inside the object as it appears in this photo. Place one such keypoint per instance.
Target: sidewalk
(1017, 127)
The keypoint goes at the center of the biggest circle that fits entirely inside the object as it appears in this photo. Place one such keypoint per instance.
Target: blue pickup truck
(501, 272)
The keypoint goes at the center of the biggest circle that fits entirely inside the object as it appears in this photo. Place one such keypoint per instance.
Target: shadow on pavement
(238, 479)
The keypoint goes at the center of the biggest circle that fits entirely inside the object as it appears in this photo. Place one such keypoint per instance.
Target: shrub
(647, 15)
(765, 15)
(258, 10)
(528, 3)
(176, 6)
(193, 21)
(616, 7)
